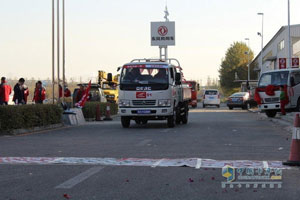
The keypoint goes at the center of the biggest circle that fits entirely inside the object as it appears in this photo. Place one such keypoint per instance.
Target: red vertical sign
(295, 62)
(282, 63)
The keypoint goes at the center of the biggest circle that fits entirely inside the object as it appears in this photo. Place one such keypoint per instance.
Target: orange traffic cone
(107, 116)
(98, 113)
(294, 159)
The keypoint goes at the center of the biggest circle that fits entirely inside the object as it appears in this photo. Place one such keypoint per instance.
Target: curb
(288, 125)
(23, 131)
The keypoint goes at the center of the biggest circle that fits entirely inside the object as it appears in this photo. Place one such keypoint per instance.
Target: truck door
(294, 89)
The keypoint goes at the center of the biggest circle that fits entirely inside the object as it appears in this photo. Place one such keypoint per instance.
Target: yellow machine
(110, 88)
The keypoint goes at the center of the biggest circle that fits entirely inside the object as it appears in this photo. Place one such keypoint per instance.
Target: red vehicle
(195, 88)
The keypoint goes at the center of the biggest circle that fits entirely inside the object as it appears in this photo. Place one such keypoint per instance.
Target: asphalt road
(218, 134)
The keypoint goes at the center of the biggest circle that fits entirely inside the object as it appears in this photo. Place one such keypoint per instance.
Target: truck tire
(125, 122)
(178, 115)
(230, 107)
(298, 106)
(185, 117)
(271, 113)
(171, 120)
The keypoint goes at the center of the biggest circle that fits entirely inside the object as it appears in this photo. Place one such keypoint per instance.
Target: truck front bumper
(144, 112)
(273, 106)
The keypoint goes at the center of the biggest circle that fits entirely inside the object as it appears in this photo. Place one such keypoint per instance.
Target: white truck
(270, 82)
(151, 89)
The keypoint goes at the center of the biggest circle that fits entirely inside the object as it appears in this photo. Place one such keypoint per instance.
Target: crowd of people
(21, 92)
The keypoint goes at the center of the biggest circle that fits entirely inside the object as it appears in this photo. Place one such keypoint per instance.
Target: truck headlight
(164, 102)
(124, 103)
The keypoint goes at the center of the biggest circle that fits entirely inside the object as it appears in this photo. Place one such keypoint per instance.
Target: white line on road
(79, 178)
(143, 143)
(157, 163)
(199, 162)
(266, 165)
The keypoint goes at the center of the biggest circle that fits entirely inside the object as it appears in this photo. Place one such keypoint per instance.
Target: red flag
(85, 97)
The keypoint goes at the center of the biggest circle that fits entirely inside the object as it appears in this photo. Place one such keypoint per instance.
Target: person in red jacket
(26, 93)
(67, 92)
(5, 91)
(39, 93)
(80, 93)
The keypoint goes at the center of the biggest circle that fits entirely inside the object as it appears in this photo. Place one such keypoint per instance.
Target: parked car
(239, 99)
(211, 98)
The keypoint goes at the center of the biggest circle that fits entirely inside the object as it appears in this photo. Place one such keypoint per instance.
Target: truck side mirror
(109, 77)
(198, 87)
(119, 69)
(177, 78)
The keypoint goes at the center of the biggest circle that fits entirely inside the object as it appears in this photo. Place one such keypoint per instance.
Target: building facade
(277, 48)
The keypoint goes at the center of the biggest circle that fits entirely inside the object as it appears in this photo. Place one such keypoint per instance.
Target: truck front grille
(272, 100)
(143, 102)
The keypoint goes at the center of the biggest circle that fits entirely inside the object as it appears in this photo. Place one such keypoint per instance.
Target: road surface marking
(79, 178)
(157, 163)
(143, 143)
(199, 162)
(266, 165)
(142, 162)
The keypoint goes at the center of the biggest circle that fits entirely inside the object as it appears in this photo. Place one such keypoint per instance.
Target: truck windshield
(273, 78)
(156, 76)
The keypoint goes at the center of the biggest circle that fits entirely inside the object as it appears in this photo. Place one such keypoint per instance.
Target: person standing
(67, 92)
(26, 93)
(80, 93)
(39, 93)
(284, 99)
(5, 91)
(19, 92)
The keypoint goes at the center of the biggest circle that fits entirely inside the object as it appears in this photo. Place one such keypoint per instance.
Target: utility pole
(289, 38)
(262, 40)
(53, 53)
(63, 32)
(58, 79)
(248, 53)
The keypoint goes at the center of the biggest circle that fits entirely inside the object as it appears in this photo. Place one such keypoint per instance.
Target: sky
(105, 34)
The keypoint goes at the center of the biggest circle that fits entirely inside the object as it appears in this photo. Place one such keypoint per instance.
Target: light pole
(63, 49)
(262, 39)
(289, 37)
(248, 53)
(53, 53)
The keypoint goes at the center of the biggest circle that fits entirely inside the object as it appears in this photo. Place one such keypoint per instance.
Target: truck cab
(152, 89)
(268, 91)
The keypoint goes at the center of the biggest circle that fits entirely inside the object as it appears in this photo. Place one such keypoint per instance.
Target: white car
(211, 98)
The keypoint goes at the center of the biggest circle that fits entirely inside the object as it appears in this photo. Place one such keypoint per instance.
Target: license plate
(211, 97)
(234, 99)
(143, 111)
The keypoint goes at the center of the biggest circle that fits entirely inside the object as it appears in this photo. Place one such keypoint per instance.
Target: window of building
(281, 45)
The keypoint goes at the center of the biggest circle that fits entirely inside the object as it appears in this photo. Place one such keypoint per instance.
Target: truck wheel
(185, 117)
(171, 120)
(230, 107)
(178, 115)
(271, 113)
(125, 122)
(298, 105)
